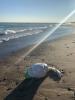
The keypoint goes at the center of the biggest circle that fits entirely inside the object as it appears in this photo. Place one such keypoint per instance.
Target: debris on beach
(40, 70)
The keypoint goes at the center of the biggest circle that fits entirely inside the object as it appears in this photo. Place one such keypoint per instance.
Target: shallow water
(14, 36)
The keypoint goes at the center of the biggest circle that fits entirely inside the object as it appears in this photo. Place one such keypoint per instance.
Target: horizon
(36, 22)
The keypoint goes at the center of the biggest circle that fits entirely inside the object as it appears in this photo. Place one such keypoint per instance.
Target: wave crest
(9, 32)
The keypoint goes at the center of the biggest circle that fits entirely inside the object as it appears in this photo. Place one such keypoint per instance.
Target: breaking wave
(10, 31)
(14, 31)
(17, 33)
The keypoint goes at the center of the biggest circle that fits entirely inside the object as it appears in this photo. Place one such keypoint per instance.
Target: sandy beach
(59, 53)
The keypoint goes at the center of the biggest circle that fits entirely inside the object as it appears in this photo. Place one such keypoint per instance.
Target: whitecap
(9, 32)
(1, 41)
(5, 39)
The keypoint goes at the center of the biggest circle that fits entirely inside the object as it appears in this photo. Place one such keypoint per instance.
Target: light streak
(46, 36)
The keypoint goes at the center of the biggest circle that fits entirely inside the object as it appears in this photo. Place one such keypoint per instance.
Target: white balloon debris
(40, 70)
(56, 72)
(37, 70)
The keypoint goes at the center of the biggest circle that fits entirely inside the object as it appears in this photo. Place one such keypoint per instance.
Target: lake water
(15, 36)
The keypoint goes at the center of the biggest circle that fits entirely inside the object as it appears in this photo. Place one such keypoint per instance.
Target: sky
(35, 10)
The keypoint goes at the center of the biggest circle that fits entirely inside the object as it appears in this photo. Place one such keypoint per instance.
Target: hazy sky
(35, 10)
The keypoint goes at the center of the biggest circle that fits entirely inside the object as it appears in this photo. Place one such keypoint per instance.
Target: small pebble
(58, 95)
(9, 88)
(17, 83)
(4, 79)
(69, 89)
(46, 98)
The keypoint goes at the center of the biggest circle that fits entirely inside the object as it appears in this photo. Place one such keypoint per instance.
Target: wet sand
(59, 53)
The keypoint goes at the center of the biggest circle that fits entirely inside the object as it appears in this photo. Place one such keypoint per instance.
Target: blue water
(15, 36)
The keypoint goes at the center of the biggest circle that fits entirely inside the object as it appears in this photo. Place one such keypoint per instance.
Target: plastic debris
(40, 70)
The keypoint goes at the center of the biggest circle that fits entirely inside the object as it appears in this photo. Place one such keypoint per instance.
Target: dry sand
(59, 53)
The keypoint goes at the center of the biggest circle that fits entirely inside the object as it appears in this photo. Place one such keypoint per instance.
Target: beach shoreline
(59, 53)
(28, 47)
